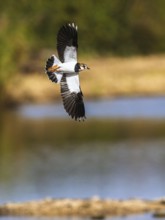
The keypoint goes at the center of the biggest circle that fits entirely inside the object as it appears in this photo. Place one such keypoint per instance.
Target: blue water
(116, 108)
(35, 164)
(132, 217)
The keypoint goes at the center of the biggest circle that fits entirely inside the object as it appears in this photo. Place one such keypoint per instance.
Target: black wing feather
(73, 102)
(49, 63)
(67, 36)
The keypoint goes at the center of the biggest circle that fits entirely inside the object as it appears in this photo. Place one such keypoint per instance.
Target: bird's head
(80, 67)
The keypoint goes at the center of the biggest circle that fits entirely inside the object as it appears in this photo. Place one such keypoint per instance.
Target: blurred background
(119, 151)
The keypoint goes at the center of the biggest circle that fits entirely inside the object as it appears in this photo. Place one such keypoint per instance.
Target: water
(119, 152)
(116, 108)
(115, 170)
(133, 217)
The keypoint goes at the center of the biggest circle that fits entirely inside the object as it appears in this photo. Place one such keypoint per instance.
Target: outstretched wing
(72, 96)
(67, 43)
(53, 76)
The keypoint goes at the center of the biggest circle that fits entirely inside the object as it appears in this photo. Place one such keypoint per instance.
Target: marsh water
(134, 217)
(118, 152)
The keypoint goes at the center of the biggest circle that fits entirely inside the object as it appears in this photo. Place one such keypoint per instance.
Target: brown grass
(108, 77)
(93, 208)
(125, 76)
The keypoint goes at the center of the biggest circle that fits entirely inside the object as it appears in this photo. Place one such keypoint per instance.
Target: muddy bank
(94, 207)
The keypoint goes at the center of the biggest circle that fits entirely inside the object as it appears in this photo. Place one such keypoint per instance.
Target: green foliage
(121, 27)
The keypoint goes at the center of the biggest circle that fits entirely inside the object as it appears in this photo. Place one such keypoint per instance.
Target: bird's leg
(53, 68)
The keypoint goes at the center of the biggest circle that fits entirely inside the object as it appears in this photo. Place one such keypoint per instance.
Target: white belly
(68, 67)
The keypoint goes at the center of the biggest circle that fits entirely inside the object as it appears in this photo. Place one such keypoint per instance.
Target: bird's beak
(88, 68)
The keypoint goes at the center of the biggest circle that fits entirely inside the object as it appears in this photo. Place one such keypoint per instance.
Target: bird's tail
(52, 65)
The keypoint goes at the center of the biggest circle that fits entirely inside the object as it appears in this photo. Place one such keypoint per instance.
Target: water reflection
(61, 158)
(107, 157)
(132, 217)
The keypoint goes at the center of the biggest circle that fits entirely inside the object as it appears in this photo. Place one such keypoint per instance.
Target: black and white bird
(65, 71)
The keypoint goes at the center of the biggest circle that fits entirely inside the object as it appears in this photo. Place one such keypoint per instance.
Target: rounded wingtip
(73, 25)
(81, 119)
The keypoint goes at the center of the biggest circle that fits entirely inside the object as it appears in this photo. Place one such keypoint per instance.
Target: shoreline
(109, 77)
(95, 208)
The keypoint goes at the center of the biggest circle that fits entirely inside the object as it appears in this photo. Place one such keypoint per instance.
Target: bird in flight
(65, 71)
